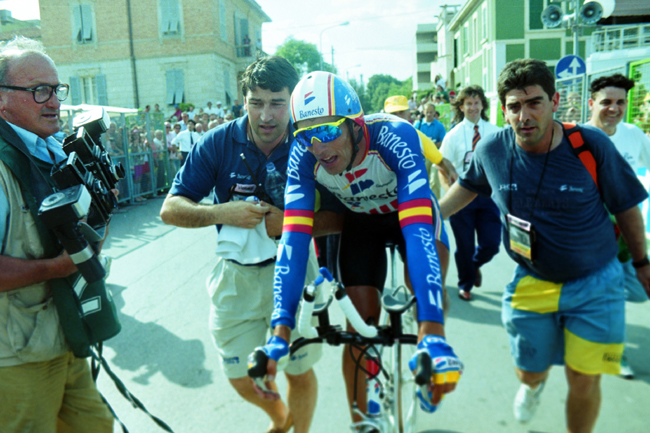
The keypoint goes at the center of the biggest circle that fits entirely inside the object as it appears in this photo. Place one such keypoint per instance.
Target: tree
(304, 56)
(379, 88)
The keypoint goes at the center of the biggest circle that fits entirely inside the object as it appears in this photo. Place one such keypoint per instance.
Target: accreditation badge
(522, 237)
(468, 159)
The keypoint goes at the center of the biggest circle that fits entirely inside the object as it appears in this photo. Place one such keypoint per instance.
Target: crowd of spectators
(150, 148)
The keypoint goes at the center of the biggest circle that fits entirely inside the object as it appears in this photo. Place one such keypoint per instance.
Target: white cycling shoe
(526, 402)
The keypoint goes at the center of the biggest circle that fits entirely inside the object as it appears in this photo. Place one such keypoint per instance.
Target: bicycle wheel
(400, 401)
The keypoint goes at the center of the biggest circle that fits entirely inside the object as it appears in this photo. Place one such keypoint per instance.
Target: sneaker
(626, 371)
(465, 296)
(526, 402)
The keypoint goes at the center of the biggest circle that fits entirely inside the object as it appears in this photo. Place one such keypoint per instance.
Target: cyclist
(375, 166)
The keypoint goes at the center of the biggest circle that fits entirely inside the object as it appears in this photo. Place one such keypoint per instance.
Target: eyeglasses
(43, 92)
(324, 133)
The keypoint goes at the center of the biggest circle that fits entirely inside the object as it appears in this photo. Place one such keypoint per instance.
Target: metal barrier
(137, 141)
(638, 111)
(572, 98)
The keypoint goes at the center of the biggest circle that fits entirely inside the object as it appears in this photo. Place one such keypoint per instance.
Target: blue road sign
(570, 66)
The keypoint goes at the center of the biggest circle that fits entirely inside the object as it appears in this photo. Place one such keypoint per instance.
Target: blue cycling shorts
(580, 323)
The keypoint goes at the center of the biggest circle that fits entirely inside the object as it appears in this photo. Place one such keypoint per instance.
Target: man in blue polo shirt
(234, 160)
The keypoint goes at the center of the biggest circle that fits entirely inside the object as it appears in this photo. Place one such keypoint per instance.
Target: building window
(88, 90)
(82, 17)
(223, 28)
(465, 39)
(170, 17)
(484, 21)
(242, 37)
(475, 33)
(175, 86)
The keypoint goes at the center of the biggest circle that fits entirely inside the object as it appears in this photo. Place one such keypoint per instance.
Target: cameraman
(43, 387)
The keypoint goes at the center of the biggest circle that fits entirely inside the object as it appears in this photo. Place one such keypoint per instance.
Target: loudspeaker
(552, 16)
(594, 10)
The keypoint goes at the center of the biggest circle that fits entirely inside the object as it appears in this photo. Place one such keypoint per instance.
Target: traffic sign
(570, 66)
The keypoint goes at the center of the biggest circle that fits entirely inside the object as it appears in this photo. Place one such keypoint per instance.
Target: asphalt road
(166, 357)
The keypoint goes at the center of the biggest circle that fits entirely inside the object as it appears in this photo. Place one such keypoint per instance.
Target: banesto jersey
(391, 177)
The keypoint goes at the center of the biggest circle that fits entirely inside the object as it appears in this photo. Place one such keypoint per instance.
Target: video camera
(84, 180)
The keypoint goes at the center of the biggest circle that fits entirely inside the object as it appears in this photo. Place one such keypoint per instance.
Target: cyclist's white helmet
(322, 94)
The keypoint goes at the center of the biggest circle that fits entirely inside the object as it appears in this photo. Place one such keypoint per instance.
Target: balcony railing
(615, 38)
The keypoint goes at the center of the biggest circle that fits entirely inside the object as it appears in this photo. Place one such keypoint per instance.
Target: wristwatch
(641, 263)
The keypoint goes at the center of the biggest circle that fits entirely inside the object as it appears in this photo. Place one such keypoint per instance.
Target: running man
(375, 166)
(565, 303)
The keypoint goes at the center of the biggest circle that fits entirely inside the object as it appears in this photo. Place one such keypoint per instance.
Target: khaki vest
(29, 324)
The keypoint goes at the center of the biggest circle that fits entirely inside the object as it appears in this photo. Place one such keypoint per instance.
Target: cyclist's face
(334, 156)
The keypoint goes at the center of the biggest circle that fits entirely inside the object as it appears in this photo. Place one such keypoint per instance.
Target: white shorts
(240, 315)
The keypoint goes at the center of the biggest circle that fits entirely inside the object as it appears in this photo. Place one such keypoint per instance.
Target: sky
(379, 39)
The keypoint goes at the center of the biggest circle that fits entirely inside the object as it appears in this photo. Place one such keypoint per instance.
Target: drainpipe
(136, 96)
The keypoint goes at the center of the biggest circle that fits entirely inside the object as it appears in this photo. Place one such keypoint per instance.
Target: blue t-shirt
(215, 162)
(391, 178)
(434, 130)
(573, 232)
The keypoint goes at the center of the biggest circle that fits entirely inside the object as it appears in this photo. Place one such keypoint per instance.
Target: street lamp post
(347, 72)
(321, 40)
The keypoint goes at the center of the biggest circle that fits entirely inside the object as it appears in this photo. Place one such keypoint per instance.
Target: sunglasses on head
(324, 133)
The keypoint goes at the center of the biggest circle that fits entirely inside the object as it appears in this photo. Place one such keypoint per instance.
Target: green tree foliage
(381, 87)
(304, 56)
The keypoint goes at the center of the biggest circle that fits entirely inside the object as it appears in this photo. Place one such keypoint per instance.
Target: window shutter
(76, 22)
(75, 90)
(171, 86)
(180, 86)
(86, 22)
(102, 95)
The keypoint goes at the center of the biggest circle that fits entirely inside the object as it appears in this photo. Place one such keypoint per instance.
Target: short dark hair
(616, 80)
(468, 92)
(191, 121)
(272, 73)
(522, 73)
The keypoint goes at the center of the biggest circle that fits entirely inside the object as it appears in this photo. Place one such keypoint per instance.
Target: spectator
(174, 155)
(213, 124)
(247, 46)
(160, 160)
(480, 219)
(242, 295)
(218, 110)
(398, 106)
(186, 140)
(236, 109)
(184, 119)
(608, 104)
(156, 108)
(43, 386)
(190, 112)
(210, 109)
(229, 117)
(199, 128)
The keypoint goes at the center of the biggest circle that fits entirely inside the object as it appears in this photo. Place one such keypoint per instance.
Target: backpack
(582, 150)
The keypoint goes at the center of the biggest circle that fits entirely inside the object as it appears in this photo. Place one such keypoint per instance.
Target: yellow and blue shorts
(580, 323)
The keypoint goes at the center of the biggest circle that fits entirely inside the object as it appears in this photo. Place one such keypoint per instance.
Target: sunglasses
(324, 133)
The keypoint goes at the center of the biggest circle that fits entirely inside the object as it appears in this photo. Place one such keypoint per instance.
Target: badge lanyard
(521, 232)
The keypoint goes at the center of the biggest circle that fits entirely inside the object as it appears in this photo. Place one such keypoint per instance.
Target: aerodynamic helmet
(322, 94)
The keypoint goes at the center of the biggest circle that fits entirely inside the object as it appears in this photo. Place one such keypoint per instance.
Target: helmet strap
(355, 142)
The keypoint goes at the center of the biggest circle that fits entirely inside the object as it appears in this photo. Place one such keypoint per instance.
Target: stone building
(130, 53)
